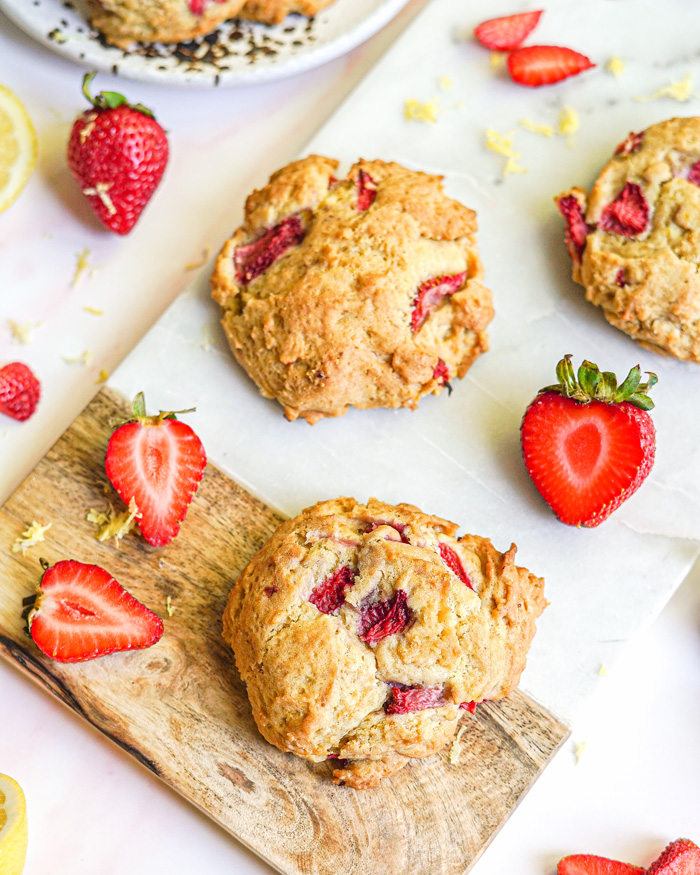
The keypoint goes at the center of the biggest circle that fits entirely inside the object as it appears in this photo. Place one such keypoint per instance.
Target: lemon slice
(13, 827)
(17, 147)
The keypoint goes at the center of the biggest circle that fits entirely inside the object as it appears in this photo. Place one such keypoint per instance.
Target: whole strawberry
(19, 391)
(157, 462)
(588, 443)
(117, 153)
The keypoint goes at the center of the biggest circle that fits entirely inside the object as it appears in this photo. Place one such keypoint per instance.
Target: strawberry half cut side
(80, 612)
(366, 191)
(430, 294)
(544, 65)
(589, 864)
(402, 700)
(329, 595)
(385, 618)
(628, 214)
(158, 462)
(577, 229)
(508, 32)
(254, 258)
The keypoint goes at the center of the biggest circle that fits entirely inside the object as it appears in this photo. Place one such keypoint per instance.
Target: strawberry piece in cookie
(404, 700)
(255, 258)
(628, 214)
(385, 618)
(430, 295)
(366, 191)
(330, 595)
(577, 229)
(630, 144)
(453, 561)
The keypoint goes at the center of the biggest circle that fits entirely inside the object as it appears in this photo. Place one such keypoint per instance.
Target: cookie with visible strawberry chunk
(634, 239)
(365, 291)
(360, 632)
(275, 11)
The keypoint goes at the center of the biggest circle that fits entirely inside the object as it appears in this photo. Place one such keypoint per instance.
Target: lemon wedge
(13, 827)
(18, 147)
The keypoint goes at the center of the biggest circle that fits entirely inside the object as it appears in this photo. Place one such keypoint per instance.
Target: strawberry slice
(19, 391)
(628, 214)
(544, 65)
(254, 258)
(158, 462)
(681, 857)
(577, 229)
(403, 700)
(588, 864)
(366, 191)
(80, 612)
(507, 33)
(452, 560)
(430, 294)
(588, 444)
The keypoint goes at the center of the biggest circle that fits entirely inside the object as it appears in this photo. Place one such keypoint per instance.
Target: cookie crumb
(502, 144)
(615, 66)
(30, 537)
(536, 128)
(114, 525)
(415, 111)
(456, 748)
(681, 91)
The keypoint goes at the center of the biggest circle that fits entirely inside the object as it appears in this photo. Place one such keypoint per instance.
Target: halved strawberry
(681, 857)
(508, 32)
(80, 612)
(588, 444)
(544, 65)
(158, 462)
(588, 864)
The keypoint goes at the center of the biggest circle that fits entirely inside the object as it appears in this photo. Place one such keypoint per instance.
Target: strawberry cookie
(634, 238)
(365, 291)
(275, 11)
(361, 630)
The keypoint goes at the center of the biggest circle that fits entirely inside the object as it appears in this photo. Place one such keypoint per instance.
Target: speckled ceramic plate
(236, 53)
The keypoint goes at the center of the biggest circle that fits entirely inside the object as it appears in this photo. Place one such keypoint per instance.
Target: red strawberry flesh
(254, 258)
(385, 618)
(329, 595)
(197, 6)
(82, 612)
(586, 459)
(544, 65)
(441, 372)
(681, 857)
(508, 32)
(631, 144)
(430, 295)
(402, 701)
(577, 229)
(628, 214)
(588, 864)
(159, 466)
(469, 706)
(694, 174)
(452, 560)
(366, 190)
(19, 391)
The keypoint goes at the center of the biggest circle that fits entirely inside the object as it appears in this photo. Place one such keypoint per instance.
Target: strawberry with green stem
(117, 153)
(588, 443)
(158, 462)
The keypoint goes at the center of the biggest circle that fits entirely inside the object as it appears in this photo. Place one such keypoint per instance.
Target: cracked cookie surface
(363, 292)
(635, 239)
(360, 630)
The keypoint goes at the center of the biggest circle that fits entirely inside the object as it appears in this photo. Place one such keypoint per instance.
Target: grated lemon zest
(578, 753)
(535, 128)
(603, 669)
(208, 339)
(616, 65)
(112, 524)
(496, 60)
(415, 111)
(456, 748)
(169, 606)
(82, 359)
(82, 264)
(22, 331)
(445, 83)
(103, 376)
(194, 265)
(568, 123)
(30, 537)
(94, 310)
(502, 144)
(680, 91)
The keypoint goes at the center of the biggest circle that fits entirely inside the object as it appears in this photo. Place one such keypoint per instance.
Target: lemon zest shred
(194, 265)
(415, 111)
(22, 331)
(502, 144)
(112, 524)
(496, 60)
(681, 91)
(456, 748)
(603, 669)
(94, 310)
(568, 124)
(102, 377)
(30, 537)
(82, 359)
(445, 83)
(536, 128)
(616, 65)
(82, 264)
(169, 606)
(580, 748)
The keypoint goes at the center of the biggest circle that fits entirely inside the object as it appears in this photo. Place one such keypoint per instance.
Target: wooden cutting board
(181, 710)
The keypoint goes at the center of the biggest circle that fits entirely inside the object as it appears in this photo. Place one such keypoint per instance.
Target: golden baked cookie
(360, 631)
(168, 21)
(635, 239)
(365, 291)
(275, 11)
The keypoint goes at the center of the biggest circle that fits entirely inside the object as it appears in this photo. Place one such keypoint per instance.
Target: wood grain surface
(181, 710)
